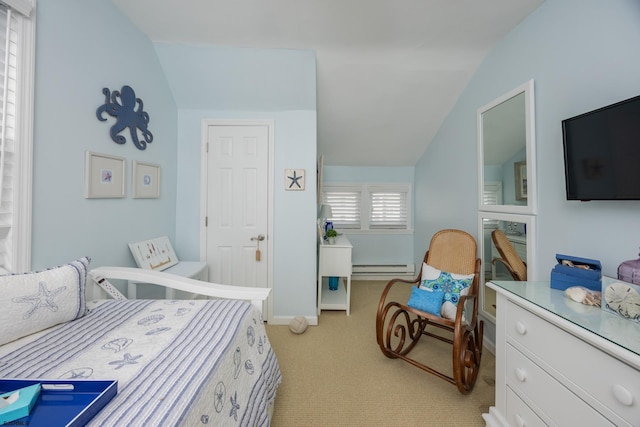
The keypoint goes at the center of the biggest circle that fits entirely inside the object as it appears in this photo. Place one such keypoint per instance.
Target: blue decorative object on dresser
(575, 271)
(122, 105)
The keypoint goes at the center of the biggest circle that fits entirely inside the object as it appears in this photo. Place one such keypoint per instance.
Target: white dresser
(562, 363)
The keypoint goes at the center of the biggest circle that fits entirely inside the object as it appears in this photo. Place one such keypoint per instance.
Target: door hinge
(206, 221)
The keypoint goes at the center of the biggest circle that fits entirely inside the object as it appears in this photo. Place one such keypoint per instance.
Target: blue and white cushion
(453, 285)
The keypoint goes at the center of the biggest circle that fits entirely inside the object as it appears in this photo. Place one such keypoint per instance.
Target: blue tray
(64, 402)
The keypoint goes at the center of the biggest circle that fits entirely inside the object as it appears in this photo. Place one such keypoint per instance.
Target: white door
(237, 203)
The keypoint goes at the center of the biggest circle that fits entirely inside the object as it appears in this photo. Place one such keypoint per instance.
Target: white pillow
(31, 302)
(453, 285)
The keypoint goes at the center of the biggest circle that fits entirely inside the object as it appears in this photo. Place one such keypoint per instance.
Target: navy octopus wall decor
(122, 105)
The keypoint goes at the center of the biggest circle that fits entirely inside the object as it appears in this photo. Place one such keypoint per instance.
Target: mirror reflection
(504, 138)
(504, 256)
(506, 152)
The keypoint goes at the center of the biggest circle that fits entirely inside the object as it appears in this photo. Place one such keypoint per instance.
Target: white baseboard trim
(285, 320)
(380, 277)
(489, 345)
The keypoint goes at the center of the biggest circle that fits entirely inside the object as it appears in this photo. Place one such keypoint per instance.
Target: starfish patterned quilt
(182, 362)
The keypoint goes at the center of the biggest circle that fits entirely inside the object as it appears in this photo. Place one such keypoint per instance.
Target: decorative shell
(584, 295)
(623, 299)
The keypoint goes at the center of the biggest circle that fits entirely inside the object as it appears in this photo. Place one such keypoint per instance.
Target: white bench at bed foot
(197, 270)
(102, 287)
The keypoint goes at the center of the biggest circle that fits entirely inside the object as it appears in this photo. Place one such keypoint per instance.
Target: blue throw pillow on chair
(453, 285)
(427, 301)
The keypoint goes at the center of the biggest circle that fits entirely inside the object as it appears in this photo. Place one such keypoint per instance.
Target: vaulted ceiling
(389, 71)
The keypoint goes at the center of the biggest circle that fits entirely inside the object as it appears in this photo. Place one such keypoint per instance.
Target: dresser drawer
(519, 414)
(603, 381)
(550, 397)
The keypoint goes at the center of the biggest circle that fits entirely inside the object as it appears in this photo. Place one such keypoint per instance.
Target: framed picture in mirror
(520, 174)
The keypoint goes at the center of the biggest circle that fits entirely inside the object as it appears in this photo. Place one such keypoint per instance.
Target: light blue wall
(577, 66)
(374, 248)
(212, 82)
(582, 55)
(83, 46)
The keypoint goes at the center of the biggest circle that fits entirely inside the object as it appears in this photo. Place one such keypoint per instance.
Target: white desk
(559, 362)
(192, 269)
(335, 261)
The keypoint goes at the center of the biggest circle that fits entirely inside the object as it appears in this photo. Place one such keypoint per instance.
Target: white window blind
(7, 134)
(368, 207)
(17, 48)
(345, 205)
(492, 195)
(388, 208)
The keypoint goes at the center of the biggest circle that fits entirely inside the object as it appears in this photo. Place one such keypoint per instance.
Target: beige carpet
(335, 375)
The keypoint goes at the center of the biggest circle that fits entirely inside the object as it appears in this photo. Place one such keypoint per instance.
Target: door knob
(259, 237)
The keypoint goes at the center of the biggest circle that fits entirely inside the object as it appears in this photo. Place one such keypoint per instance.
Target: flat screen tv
(602, 153)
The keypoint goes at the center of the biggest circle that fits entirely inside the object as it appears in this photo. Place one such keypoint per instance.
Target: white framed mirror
(520, 230)
(506, 153)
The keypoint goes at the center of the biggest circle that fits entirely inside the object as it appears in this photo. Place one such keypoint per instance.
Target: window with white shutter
(492, 196)
(369, 207)
(388, 207)
(17, 47)
(345, 205)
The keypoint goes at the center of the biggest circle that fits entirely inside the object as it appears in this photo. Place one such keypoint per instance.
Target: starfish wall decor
(294, 179)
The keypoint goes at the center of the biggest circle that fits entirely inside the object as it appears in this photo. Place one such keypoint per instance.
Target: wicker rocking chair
(400, 327)
(509, 257)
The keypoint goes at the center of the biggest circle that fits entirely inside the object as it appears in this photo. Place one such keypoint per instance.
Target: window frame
(365, 190)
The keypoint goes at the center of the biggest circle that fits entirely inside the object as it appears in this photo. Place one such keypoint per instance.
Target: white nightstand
(335, 261)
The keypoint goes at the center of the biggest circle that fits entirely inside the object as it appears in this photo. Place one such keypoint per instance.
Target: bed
(177, 362)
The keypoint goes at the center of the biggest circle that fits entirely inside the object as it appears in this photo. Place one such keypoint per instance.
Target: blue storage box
(565, 276)
(63, 402)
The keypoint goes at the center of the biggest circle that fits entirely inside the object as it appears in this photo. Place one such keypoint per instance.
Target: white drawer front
(556, 401)
(603, 380)
(519, 414)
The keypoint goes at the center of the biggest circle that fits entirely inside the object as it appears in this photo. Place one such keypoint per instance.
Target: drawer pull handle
(521, 374)
(622, 395)
(521, 328)
(519, 421)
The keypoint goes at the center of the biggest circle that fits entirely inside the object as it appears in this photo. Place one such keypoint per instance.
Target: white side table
(197, 270)
(335, 261)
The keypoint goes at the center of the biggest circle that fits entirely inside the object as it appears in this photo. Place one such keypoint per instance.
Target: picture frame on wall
(146, 180)
(294, 179)
(104, 176)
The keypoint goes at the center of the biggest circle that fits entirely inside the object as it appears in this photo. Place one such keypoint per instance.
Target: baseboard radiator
(382, 271)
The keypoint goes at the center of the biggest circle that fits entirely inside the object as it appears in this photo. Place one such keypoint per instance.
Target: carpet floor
(335, 375)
